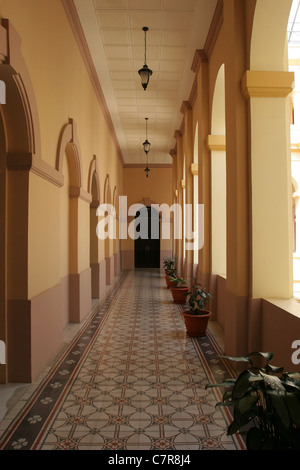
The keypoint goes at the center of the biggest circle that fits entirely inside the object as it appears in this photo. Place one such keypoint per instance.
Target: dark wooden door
(147, 241)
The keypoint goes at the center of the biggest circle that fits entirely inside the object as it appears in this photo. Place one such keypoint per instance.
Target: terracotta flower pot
(169, 283)
(179, 294)
(196, 325)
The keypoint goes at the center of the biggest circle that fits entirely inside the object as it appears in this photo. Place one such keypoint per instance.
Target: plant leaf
(278, 402)
(293, 404)
(295, 377)
(227, 383)
(246, 403)
(274, 369)
(239, 421)
(239, 359)
(242, 384)
(274, 382)
(267, 355)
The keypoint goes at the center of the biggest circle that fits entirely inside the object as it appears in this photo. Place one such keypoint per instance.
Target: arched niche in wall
(69, 145)
(68, 154)
(94, 190)
(117, 241)
(68, 163)
(109, 240)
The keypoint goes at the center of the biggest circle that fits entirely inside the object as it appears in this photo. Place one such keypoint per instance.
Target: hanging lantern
(145, 73)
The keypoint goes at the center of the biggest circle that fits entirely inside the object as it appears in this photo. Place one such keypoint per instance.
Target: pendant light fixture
(145, 73)
(146, 144)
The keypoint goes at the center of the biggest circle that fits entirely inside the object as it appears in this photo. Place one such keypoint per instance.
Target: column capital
(216, 142)
(267, 84)
(194, 169)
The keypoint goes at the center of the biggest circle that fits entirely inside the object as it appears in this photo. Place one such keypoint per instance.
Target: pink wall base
(80, 292)
(98, 272)
(35, 334)
(109, 270)
(117, 264)
(127, 259)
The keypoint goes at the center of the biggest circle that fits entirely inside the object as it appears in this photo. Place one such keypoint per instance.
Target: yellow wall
(63, 90)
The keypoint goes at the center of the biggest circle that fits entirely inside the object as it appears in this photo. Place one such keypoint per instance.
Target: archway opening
(147, 238)
(218, 176)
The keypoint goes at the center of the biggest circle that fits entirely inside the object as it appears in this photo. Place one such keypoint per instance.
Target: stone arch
(267, 86)
(94, 181)
(20, 112)
(68, 145)
(19, 149)
(268, 50)
(107, 191)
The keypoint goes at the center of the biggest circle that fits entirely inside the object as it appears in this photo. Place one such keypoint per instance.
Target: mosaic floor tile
(130, 380)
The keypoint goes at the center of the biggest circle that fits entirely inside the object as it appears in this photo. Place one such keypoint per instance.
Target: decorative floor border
(44, 404)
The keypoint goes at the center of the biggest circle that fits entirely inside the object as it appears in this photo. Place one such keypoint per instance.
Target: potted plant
(170, 269)
(179, 288)
(169, 263)
(266, 403)
(197, 315)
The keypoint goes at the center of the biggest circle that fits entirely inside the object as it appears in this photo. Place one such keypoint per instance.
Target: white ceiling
(113, 31)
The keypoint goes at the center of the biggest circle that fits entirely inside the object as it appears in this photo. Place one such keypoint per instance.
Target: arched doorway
(147, 238)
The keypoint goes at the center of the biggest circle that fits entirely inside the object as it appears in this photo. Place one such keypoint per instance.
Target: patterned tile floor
(131, 379)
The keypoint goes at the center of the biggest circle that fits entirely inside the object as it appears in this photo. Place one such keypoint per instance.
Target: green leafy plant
(178, 281)
(170, 266)
(197, 298)
(169, 263)
(266, 404)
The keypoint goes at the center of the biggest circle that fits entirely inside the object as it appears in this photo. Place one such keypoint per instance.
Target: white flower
(55, 385)
(46, 400)
(20, 443)
(34, 419)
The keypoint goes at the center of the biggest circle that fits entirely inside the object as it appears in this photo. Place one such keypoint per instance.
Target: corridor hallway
(130, 379)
